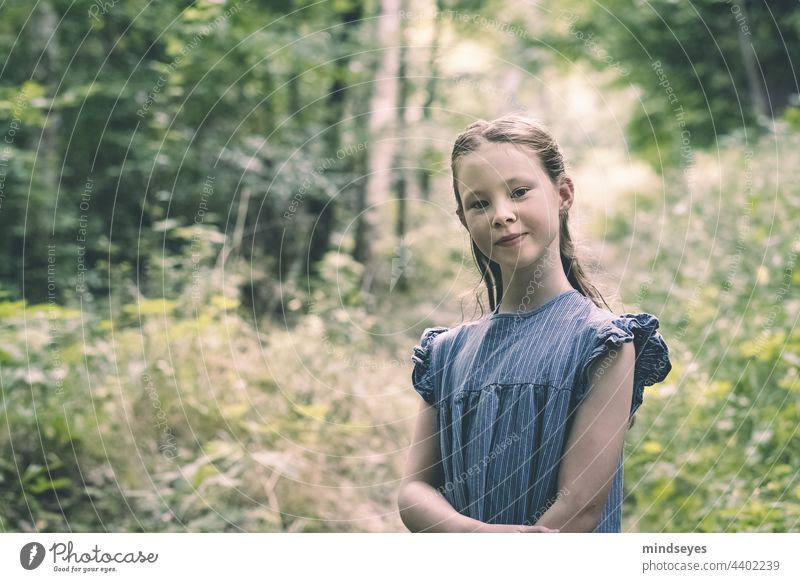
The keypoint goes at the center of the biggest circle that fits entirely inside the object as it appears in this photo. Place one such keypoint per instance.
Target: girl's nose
(504, 212)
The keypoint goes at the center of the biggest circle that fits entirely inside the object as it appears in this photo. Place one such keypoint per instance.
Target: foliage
(186, 341)
(714, 449)
(690, 61)
(178, 415)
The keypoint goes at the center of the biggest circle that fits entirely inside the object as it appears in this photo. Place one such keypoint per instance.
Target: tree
(706, 68)
(382, 123)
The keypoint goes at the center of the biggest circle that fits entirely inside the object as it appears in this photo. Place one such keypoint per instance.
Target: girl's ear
(460, 213)
(566, 193)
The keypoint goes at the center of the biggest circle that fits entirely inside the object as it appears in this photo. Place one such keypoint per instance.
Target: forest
(226, 223)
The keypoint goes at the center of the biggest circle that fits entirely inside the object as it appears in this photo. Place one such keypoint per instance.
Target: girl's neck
(527, 289)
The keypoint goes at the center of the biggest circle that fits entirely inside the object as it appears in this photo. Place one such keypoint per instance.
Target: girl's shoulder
(423, 371)
(592, 319)
(427, 339)
(604, 322)
(440, 334)
(605, 331)
(601, 326)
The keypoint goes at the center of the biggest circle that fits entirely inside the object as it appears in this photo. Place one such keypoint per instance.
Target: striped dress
(505, 388)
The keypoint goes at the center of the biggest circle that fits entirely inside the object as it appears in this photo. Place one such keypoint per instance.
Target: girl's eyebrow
(521, 179)
(514, 180)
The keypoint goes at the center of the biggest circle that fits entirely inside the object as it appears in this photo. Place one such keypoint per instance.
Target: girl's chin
(520, 260)
(513, 255)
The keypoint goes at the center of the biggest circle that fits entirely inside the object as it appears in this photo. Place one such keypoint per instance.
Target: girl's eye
(516, 193)
(520, 191)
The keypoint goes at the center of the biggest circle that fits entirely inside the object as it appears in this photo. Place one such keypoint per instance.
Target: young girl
(525, 410)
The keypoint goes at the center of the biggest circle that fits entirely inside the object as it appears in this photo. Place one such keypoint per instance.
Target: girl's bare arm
(594, 445)
(422, 507)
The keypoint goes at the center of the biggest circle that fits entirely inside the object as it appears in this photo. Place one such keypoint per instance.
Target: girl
(525, 410)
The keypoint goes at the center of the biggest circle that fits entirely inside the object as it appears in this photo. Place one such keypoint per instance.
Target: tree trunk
(424, 175)
(759, 100)
(45, 181)
(380, 152)
(319, 238)
(401, 254)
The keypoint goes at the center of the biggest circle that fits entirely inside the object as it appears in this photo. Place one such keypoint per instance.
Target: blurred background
(226, 224)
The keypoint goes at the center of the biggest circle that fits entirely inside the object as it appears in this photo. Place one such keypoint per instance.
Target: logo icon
(31, 555)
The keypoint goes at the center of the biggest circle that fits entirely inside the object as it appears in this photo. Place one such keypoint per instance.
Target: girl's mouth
(512, 242)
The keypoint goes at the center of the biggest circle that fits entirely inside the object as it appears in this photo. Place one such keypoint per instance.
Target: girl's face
(505, 191)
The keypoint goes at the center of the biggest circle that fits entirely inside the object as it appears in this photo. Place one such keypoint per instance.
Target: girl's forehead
(497, 160)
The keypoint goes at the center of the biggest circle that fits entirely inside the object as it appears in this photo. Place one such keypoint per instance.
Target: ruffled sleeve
(652, 355)
(422, 374)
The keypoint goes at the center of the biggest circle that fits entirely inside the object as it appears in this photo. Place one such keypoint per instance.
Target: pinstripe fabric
(506, 388)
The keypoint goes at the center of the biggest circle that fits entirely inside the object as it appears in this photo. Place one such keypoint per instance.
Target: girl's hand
(513, 528)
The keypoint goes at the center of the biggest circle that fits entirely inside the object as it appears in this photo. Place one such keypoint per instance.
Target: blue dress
(506, 387)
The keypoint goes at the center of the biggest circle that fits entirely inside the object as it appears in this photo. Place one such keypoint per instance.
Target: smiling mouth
(511, 241)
